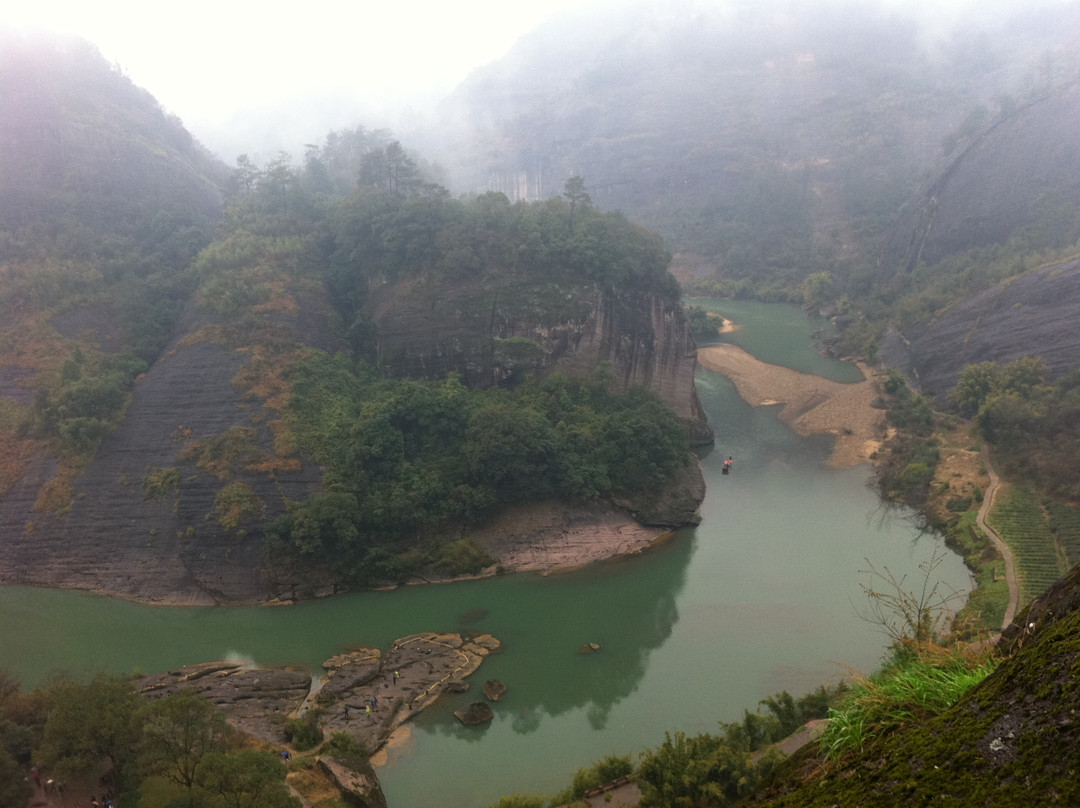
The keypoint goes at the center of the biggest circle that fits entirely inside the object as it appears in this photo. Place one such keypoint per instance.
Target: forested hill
(352, 374)
(765, 141)
(90, 163)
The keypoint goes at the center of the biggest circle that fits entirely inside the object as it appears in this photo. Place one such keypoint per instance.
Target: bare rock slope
(1034, 315)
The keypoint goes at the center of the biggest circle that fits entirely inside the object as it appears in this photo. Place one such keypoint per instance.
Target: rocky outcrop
(502, 333)
(116, 537)
(1023, 171)
(256, 700)
(1034, 315)
(474, 714)
(356, 780)
(365, 693)
(369, 693)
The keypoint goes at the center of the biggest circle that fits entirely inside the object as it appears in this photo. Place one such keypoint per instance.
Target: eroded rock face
(498, 335)
(366, 693)
(255, 700)
(111, 535)
(369, 693)
(1024, 169)
(474, 714)
(1035, 315)
(356, 780)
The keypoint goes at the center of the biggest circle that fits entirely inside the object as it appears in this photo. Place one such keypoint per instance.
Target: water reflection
(627, 607)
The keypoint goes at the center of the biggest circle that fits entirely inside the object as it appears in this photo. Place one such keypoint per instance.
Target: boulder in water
(476, 713)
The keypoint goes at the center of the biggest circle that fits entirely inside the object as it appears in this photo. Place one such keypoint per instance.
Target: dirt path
(1003, 548)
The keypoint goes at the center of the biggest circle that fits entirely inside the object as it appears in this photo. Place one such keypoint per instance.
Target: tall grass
(917, 685)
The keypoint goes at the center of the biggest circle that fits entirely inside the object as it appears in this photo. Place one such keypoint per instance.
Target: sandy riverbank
(550, 537)
(812, 404)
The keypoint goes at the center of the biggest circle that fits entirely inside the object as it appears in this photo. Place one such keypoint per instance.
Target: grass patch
(915, 687)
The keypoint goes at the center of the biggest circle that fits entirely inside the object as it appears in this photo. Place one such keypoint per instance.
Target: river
(763, 596)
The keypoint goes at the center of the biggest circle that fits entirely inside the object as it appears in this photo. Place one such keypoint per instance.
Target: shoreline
(550, 538)
(813, 405)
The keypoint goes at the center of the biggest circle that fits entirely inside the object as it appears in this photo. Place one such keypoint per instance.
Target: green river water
(761, 597)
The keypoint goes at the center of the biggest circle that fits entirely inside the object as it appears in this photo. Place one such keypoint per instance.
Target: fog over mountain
(247, 81)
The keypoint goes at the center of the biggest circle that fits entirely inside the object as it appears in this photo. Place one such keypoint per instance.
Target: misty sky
(208, 61)
(220, 65)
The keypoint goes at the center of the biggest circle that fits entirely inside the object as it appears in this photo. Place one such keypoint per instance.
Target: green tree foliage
(601, 772)
(406, 457)
(90, 731)
(701, 770)
(304, 733)
(180, 744)
(386, 236)
(250, 778)
(88, 400)
(15, 745)
(177, 731)
(704, 327)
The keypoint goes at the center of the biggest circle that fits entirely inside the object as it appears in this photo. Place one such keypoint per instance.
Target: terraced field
(1019, 517)
(1065, 522)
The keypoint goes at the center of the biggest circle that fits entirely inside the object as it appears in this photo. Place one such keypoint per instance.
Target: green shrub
(461, 557)
(303, 733)
(159, 483)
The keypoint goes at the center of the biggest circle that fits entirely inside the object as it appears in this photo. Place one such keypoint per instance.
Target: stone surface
(1034, 315)
(493, 689)
(365, 693)
(111, 538)
(172, 549)
(1010, 176)
(474, 714)
(401, 682)
(355, 779)
(450, 328)
(255, 700)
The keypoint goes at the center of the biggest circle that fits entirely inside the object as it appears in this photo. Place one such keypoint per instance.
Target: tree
(390, 169)
(90, 731)
(177, 732)
(702, 770)
(974, 384)
(579, 199)
(252, 778)
(15, 789)
(816, 287)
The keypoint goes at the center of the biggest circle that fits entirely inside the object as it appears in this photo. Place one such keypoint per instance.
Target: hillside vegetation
(224, 406)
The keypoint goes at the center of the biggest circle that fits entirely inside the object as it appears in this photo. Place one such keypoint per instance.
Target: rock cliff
(501, 333)
(145, 519)
(1023, 172)
(115, 535)
(1035, 315)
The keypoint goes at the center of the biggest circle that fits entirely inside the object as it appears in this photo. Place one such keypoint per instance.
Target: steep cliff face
(501, 333)
(172, 505)
(1034, 315)
(1023, 172)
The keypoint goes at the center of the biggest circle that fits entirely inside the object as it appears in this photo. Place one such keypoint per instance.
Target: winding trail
(1002, 546)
